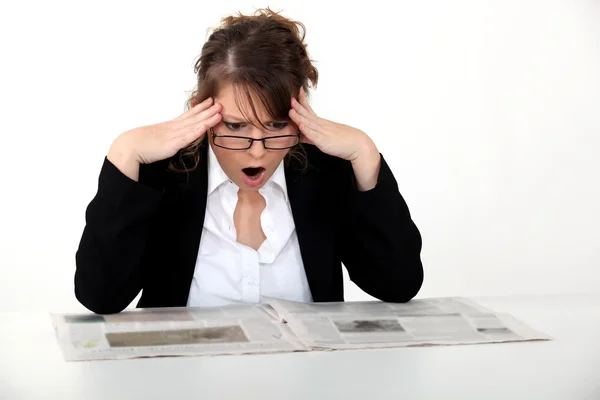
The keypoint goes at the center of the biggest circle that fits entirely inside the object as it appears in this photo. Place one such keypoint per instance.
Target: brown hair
(263, 54)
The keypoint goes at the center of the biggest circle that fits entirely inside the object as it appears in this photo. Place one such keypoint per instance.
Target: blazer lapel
(191, 210)
(308, 199)
(304, 191)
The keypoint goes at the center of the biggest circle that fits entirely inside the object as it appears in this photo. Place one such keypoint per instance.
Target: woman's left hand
(330, 137)
(338, 140)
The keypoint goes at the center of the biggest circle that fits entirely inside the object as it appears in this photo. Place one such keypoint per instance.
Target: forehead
(235, 103)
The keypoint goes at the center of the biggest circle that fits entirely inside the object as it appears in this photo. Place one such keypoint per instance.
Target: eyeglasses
(244, 143)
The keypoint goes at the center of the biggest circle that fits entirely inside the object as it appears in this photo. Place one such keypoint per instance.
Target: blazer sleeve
(108, 259)
(381, 244)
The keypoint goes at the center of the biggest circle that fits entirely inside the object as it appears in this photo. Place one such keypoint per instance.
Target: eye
(234, 126)
(279, 125)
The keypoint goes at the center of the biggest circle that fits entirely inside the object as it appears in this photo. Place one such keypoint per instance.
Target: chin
(251, 189)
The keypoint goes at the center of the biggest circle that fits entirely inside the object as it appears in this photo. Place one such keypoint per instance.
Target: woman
(248, 194)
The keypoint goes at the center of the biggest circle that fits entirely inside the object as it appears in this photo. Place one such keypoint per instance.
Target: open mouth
(253, 173)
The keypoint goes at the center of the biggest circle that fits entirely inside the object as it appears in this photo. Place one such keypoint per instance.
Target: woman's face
(249, 169)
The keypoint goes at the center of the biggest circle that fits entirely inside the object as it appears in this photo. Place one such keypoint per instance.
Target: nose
(257, 150)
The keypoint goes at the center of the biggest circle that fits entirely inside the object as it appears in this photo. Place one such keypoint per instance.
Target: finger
(304, 101)
(203, 125)
(301, 109)
(206, 114)
(304, 120)
(196, 109)
(199, 130)
(213, 120)
(307, 126)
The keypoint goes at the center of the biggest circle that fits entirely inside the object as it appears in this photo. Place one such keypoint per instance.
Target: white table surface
(567, 368)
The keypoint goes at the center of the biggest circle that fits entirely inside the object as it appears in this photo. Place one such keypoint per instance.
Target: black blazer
(145, 235)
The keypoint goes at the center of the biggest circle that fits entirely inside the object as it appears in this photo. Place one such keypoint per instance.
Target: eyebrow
(234, 119)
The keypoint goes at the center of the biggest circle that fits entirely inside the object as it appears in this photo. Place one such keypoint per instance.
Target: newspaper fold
(283, 326)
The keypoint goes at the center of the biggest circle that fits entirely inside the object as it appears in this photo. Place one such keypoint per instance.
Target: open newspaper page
(236, 329)
(420, 322)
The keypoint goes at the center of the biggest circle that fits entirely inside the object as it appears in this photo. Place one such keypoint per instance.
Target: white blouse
(229, 272)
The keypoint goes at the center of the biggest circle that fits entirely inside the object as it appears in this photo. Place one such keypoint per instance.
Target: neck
(249, 195)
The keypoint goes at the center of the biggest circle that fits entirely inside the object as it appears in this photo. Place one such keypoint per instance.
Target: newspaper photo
(238, 329)
(283, 326)
(427, 322)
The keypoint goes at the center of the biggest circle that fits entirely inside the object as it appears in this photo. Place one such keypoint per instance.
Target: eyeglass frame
(252, 140)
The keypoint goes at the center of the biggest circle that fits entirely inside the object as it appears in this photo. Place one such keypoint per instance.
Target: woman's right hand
(148, 144)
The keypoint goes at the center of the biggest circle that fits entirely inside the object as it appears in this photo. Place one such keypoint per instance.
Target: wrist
(123, 156)
(367, 153)
(366, 166)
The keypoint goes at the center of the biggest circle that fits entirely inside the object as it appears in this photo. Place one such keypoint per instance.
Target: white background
(487, 111)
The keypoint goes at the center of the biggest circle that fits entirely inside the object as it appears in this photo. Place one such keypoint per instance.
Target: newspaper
(283, 326)
(185, 331)
(427, 322)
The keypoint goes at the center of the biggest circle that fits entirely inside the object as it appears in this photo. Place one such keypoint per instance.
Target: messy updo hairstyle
(262, 54)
